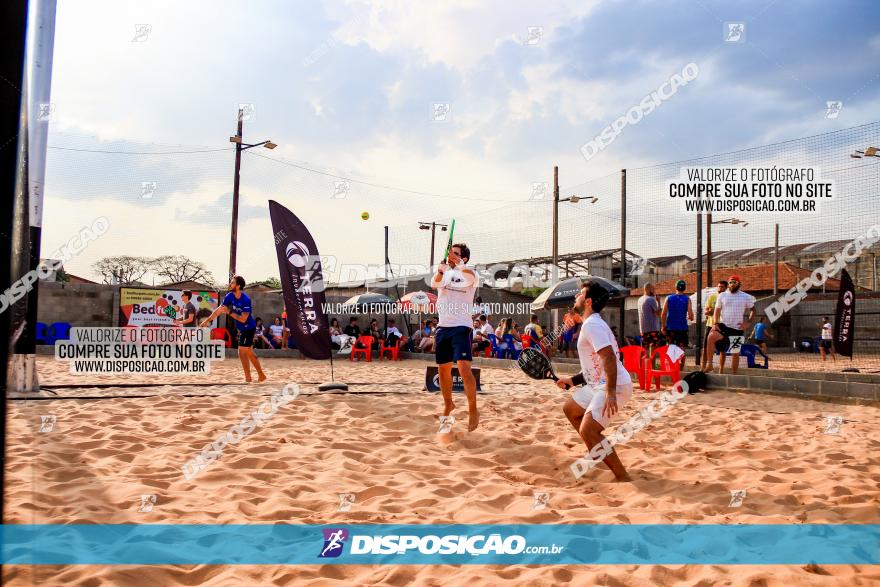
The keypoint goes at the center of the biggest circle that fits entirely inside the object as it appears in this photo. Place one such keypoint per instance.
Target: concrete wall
(81, 304)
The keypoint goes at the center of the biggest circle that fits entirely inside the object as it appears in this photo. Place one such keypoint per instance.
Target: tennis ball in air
(365, 215)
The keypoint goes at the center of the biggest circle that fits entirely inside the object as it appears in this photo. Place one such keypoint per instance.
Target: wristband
(578, 379)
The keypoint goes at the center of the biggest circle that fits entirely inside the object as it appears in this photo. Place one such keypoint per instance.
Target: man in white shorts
(603, 386)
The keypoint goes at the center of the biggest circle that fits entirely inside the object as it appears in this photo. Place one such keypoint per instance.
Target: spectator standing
(709, 312)
(533, 329)
(649, 319)
(572, 323)
(760, 334)
(826, 344)
(676, 313)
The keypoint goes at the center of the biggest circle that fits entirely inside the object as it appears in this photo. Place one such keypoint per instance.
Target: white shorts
(592, 399)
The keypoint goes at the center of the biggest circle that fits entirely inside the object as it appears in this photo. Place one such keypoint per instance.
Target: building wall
(80, 304)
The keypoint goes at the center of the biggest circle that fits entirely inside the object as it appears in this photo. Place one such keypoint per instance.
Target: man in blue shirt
(237, 305)
(760, 334)
(674, 318)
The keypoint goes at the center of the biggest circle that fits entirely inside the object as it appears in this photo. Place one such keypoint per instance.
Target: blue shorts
(453, 343)
(246, 337)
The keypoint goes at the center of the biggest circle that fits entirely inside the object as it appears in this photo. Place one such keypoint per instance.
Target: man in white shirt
(826, 345)
(603, 385)
(456, 284)
(728, 320)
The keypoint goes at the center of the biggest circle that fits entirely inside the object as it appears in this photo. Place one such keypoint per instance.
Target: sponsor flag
(302, 283)
(845, 318)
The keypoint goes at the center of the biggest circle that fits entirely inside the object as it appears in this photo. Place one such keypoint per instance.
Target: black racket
(537, 365)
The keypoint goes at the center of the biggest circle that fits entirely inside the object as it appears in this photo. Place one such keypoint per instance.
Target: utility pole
(239, 147)
(236, 180)
(233, 239)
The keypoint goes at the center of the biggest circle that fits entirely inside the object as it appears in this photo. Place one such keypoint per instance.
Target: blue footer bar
(411, 544)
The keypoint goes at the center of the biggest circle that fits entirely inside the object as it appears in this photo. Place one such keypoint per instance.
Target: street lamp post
(554, 270)
(709, 223)
(233, 239)
(239, 147)
(432, 226)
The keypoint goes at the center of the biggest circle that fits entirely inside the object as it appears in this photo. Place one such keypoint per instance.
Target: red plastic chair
(367, 351)
(634, 362)
(526, 340)
(393, 350)
(222, 334)
(668, 368)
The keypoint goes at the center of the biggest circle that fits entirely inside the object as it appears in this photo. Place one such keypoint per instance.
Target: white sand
(102, 455)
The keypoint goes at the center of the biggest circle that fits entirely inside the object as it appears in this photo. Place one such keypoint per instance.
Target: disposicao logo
(334, 540)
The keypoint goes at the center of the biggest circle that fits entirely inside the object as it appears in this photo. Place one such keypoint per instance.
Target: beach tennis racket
(449, 244)
(537, 365)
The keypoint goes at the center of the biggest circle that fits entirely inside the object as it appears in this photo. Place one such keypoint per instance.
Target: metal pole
(622, 322)
(709, 280)
(698, 311)
(386, 280)
(874, 271)
(776, 261)
(37, 84)
(433, 227)
(554, 271)
(14, 111)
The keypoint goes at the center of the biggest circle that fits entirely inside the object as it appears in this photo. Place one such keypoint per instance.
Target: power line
(140, 152)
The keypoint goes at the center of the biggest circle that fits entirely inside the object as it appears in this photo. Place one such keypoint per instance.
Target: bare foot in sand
(473, 420)
(262, 378)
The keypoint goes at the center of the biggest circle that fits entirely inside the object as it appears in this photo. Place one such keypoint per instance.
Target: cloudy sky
(145, 94)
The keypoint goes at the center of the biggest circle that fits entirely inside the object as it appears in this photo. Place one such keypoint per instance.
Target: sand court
(380, 443)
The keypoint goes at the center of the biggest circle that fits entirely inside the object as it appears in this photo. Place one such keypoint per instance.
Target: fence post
(623, 275)
(698, 311)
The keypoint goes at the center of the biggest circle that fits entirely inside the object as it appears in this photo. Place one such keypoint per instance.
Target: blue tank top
(676, 315)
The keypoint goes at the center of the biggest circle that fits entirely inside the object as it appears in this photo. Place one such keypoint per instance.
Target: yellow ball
(365, 215)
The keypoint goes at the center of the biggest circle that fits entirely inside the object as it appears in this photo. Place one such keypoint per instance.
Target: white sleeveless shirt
(455, 297)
